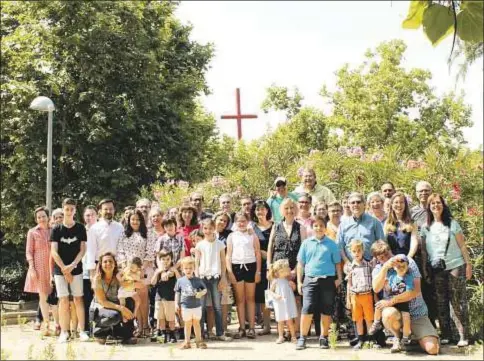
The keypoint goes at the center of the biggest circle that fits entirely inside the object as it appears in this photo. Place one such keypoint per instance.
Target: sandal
(293, 339)
(241, 333)
(185, 346)
(201, 345)
(146, 332)
(251, 333)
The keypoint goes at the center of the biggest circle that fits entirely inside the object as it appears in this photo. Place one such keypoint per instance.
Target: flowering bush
(253, 168)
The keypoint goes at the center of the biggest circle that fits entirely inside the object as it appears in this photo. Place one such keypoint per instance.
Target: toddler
(164, 281)
(283, 299)
(359, 297)
(127, 278)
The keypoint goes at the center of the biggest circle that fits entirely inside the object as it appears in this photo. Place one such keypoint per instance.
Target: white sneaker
(63, 337)
(83, 336)
(463, 343)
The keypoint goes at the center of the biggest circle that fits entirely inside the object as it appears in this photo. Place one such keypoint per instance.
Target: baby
(127, 278)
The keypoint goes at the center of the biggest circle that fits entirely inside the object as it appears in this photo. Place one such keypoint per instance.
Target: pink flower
(376, 157)
(356, 152)
(473, 211)
(300, 171)
(455, 193)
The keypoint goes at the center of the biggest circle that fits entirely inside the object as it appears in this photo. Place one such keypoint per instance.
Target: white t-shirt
(243, 251)
(210, 263)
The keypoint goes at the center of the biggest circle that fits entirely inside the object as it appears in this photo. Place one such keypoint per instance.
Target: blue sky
(302, 43)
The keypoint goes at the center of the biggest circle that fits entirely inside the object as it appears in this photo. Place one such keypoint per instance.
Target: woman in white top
(244, 270)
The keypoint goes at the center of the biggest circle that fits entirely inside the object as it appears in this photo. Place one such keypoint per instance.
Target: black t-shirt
(69, 245)
(166, 289)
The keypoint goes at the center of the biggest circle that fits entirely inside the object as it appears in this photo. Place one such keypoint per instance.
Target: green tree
(279, 98)
(123, 76)
(381, 103)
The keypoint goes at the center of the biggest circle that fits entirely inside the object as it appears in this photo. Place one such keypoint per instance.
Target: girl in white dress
(283, 299)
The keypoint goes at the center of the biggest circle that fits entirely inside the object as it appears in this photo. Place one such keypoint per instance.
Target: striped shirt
(360, 276)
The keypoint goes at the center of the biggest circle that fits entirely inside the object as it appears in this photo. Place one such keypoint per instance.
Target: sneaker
(223, 338)
(354, 341)
(463, 343)
(375, 327)
(63, 337)
(323, 343)
(397, 347)
(358, 346)
(83, 336)
(280, 340)
(301, 343)
(172, 337)
(406, 340)
(444, 341)
(377, 346)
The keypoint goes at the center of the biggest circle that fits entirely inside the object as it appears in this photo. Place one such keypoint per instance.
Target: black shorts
(402, 307)
(244, 272)
(318, 295)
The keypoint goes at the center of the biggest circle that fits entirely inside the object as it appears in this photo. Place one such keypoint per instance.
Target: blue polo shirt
(319, 257)
(368, 229)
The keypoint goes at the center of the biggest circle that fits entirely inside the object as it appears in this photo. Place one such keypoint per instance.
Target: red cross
(239, 116)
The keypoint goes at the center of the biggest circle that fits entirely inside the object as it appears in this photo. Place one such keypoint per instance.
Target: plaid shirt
(360, 277)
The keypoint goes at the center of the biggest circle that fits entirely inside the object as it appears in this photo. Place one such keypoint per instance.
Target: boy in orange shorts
(359, 295)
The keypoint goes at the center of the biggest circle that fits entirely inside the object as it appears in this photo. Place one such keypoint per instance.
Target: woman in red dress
(187, 222)
(38, 255)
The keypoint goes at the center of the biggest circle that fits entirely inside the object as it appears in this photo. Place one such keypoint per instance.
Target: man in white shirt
(90, 219)
(103, 236)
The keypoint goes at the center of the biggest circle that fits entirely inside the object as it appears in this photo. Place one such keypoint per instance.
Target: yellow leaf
(415, 15)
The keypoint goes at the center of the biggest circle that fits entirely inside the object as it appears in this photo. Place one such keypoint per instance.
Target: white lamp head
(43, 104)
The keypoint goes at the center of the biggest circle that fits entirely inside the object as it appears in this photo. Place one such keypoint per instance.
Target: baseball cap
(280, 180)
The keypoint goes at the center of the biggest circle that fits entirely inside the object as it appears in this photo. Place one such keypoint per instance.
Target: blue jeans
(212, 288)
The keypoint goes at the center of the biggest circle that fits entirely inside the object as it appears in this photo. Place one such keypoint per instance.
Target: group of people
(366, 264)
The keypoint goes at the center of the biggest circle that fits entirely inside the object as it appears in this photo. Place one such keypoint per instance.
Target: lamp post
(44, 104)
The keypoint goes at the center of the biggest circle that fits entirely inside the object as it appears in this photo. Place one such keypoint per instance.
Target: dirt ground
(21, 343)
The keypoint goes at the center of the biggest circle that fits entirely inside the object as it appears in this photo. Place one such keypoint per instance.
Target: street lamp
(44, 104)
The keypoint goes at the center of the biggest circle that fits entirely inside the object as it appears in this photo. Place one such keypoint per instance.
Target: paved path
(22, 344)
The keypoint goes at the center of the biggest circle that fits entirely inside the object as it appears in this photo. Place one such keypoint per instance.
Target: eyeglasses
(355, 202)
(423, 191)
(303, 202)
(246, 204)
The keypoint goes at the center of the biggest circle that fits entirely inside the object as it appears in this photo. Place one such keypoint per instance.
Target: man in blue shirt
(319, 261)
(359, 226)
(279, 195)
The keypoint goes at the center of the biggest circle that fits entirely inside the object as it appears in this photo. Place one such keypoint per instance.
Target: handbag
(269, 301)
(438, 265)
